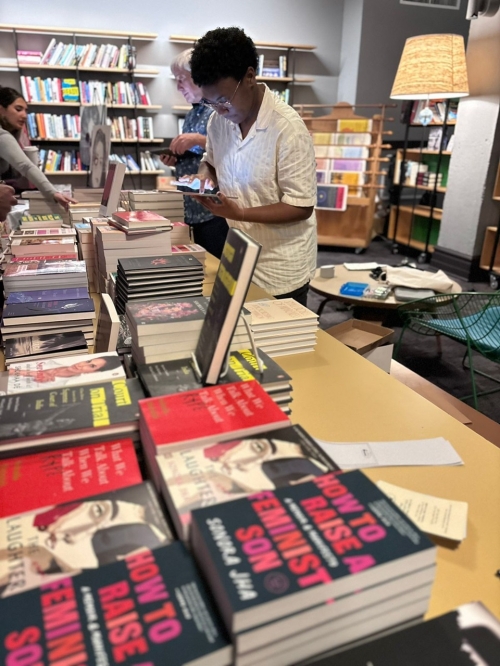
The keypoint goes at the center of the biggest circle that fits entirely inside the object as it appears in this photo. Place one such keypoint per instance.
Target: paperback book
(81, 414)
(58, 541)
(157, 317)
(236, 268)
(67, 475)
(211, 414)
(302, 545)
(151, 608)
(23, 313)
(68, 371)
(78, 293)
(42, 346)
(224, 471)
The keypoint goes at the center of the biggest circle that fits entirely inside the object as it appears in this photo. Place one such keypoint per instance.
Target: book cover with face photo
(68, 371)
(64, 539)
(225, 471)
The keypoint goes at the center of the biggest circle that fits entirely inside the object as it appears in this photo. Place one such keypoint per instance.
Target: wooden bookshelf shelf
(275, 79)
(487, 251)
(157, 172)
(423, 211)
(450, 122)
(151, 107)
(496, 189)
(142, 71)
(189, 39)
(78, 32)
(425, 151)
(143, 141)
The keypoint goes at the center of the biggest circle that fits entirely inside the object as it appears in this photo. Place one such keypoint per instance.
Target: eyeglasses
(221, 105)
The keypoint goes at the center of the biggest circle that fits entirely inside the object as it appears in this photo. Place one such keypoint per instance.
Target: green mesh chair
(471, 318)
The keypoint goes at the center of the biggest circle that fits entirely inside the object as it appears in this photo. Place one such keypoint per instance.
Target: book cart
(35, 37)
(417, 225)
(490, 253)
(354, 226)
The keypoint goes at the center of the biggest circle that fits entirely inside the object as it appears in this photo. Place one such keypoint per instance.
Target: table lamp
(431, 67)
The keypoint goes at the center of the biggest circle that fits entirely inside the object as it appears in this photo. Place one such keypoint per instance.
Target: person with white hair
(186, 152)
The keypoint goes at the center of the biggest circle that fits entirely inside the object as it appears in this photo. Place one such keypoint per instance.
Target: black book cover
(326, 537)
(34, 345)
(67, 409)
(47, 295)
(56, 541)
(45, 308)
(151, 609)
(170, 262)
(177, 312)
(178, 375)
(467, 636)
(237, 264)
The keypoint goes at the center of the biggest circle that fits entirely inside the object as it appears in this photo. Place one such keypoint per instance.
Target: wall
(352, 22)
(317, 22)
(468, 207)
(386, 26)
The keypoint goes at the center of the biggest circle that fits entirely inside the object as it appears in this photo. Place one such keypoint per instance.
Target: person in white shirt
(260, 151)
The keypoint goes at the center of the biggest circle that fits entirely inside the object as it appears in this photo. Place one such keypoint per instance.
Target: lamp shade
(432, 67)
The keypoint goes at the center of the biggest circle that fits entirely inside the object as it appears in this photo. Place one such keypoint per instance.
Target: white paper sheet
(356, 455)
(366, 266)
(433, 515)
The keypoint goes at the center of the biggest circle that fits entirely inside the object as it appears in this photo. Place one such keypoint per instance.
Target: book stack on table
(180, 233)
(317, 565)
(38, 205)
(283, 326)
(86, 249)
(48, 345)
(169, 205)
(157, 278)
(169, 330)
(56, 242)
(209, 415)
(192, 248)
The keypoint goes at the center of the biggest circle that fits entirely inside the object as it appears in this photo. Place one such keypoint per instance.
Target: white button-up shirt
(274, 162)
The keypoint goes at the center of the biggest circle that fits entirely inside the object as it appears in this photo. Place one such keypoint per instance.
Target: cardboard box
(366, 338)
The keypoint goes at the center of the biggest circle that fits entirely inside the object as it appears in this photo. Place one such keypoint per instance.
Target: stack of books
(169, 204)
(211, 474)
(52, 242)
(180, 233)
(209, 415)
(38, 205)
(41, 274)
(336, 538)
(86, 249)
(100, 281)
(47, 221)
(169, 329)
(283, 326)
(192, 248)
(81, 414)
(54, 315)
(79, 212)
(112, 244)
(157, 278)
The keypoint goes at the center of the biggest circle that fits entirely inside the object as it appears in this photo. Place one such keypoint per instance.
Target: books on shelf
(224, 471)
(68, 371)
(354, 540)
(215, 413)
(48, 418)
(69, 474)
(332, 197)
(50, 126)
(63, 540)
(162, 598)
(35, 347)
(237, 264)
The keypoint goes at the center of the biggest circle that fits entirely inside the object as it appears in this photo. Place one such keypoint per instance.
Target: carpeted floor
(418, 352)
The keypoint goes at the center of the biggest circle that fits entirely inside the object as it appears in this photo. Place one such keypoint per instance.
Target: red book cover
(127, 216)
(211, 414)
(65, 475)
(48, 257)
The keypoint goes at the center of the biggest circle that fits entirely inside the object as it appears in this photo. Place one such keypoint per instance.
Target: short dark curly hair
(220, 54)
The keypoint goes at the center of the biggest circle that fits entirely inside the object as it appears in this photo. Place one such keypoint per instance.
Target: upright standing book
(237, 265)
(151, 608)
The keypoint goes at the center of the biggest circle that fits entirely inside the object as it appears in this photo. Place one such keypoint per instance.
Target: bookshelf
(121, 86)
(282, 53)
(490, 253)
(353, 227)
(420, 178)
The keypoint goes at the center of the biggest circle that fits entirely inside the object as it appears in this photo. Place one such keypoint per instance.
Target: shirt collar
(265, 111)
